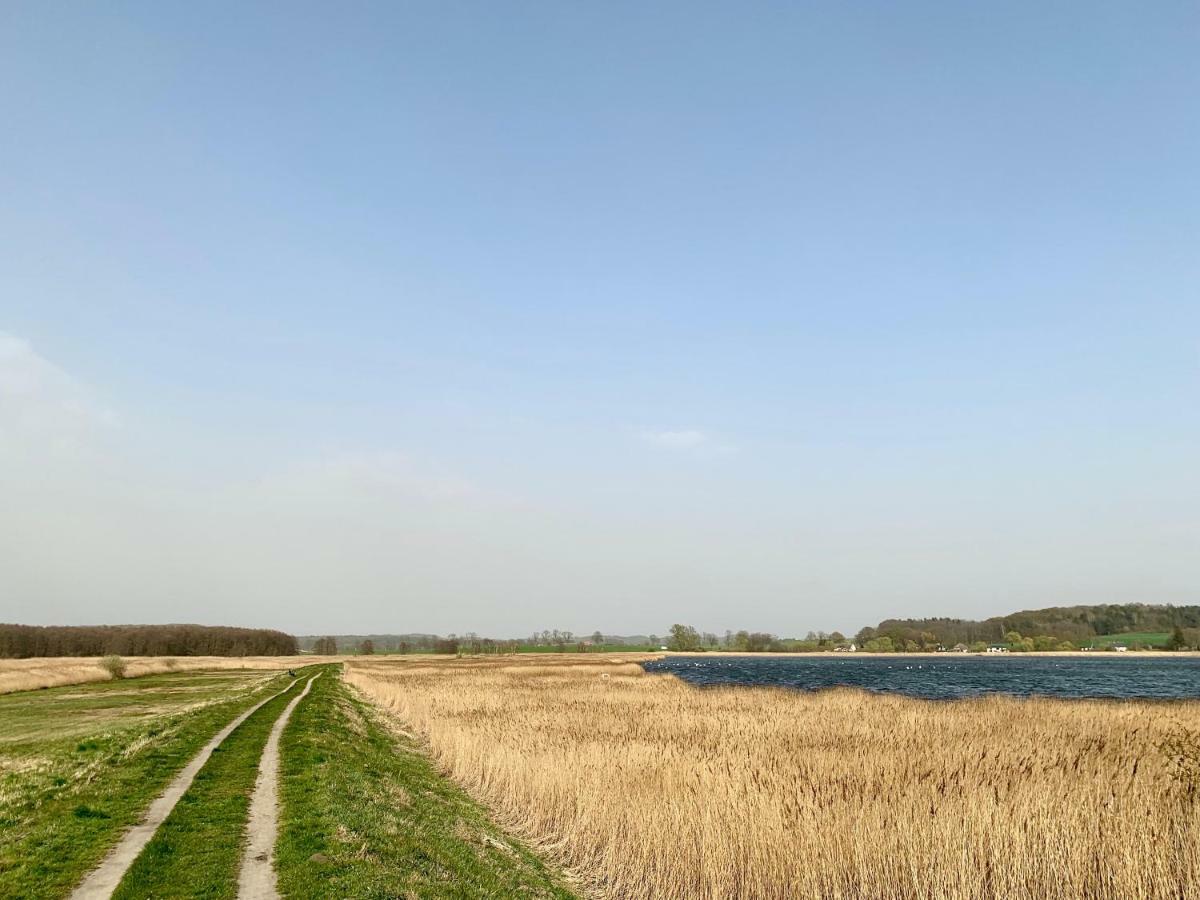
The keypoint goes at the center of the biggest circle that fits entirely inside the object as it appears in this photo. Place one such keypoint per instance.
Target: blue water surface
(950, 676)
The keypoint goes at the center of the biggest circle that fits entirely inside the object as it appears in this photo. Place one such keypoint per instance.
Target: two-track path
(257, 879)
(103, 880)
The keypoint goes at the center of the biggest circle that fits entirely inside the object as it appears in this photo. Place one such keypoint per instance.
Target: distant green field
(601, 648)
(1151, 638)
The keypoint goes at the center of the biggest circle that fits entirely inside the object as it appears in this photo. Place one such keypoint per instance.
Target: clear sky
(478, 316)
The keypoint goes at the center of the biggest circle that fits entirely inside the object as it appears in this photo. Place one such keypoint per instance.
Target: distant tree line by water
(25, 641)
(1078, 626)
(1054, 628)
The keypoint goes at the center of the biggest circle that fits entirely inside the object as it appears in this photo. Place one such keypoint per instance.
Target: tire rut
(100, 883)
(257, 879)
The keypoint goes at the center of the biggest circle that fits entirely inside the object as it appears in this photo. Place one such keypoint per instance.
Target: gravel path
(103, 880)
(257, 879)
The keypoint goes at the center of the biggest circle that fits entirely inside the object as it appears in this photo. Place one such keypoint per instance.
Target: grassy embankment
(366, 814)
(649, 787)
(79, 764)
(197, 850)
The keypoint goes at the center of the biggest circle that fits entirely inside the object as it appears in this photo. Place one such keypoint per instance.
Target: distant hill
(1066, 623)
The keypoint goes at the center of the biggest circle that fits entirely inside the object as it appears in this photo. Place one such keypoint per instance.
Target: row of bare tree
(24, 641)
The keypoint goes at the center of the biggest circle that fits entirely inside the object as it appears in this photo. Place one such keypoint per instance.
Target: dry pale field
(32, 674)
(646, 787)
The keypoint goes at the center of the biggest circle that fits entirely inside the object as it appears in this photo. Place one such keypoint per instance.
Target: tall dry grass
(647, 787)
(32, 674)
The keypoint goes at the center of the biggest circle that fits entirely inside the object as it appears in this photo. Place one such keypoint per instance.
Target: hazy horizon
(448, 317)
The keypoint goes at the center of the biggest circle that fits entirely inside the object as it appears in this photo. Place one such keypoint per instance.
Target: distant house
(1120, 648)
(961, 648)
(996, 648)
(849, 648)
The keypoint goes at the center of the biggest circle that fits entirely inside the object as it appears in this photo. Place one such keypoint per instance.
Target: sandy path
(103, 880)
(257, 881)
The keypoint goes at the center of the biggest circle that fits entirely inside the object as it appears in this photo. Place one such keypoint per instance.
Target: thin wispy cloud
(691, 441)
(42, 408)
(380, 474)
(685, 439)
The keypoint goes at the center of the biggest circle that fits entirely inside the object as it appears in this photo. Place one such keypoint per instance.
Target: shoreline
(862, 654)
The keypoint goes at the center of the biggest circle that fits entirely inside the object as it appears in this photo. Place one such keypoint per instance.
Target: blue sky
(464, 316)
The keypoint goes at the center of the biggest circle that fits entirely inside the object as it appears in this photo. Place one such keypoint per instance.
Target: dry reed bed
(650, 788)
(33, 674)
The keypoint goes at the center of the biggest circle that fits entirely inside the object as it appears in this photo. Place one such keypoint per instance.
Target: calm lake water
(946, 677)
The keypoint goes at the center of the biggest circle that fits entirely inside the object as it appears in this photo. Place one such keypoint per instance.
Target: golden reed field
(32, 674)
(646, 787)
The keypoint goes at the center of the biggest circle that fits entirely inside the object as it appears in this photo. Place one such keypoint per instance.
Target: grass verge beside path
(80, 764)
(197, 850)
(366, 815)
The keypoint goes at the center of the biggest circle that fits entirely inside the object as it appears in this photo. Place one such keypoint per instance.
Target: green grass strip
(63, 824)
(366, 815)
(197, 850)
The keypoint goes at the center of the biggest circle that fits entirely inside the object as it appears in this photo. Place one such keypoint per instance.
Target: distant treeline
(24, 641)
(1077, 624)
(417, 642)
(396, 643)
(350, 643)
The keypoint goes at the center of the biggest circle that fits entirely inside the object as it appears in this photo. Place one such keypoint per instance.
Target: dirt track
(257, 880)
(103, 880)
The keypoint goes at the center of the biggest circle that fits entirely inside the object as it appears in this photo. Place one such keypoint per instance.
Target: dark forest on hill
(1066, 623)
